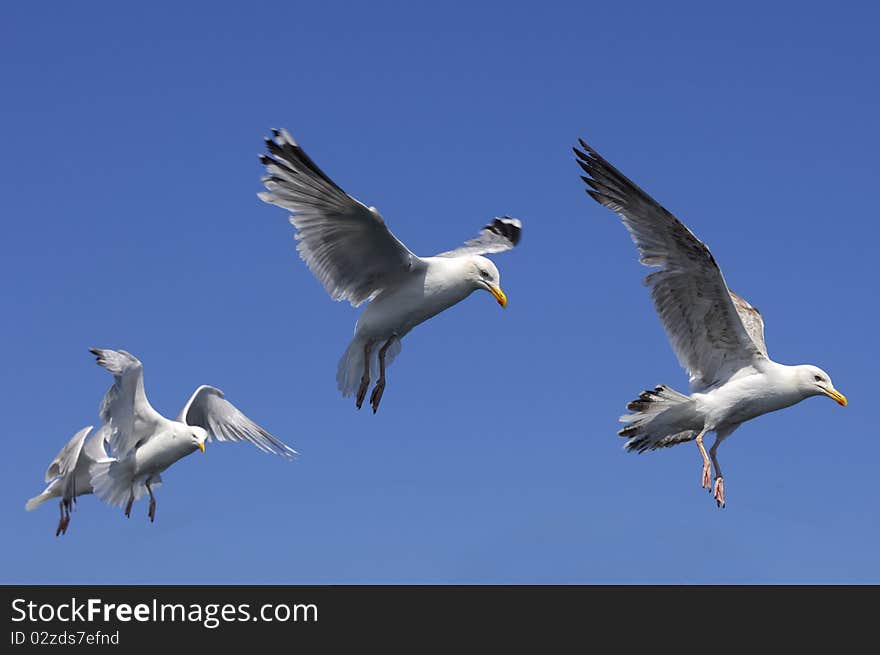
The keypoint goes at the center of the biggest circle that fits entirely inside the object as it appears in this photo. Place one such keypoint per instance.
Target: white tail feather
(660, 417)
(113, 481)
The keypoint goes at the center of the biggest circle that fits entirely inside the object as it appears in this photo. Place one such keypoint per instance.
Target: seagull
(717, 336)
(68, 474)
(354, 255)
(143, 443)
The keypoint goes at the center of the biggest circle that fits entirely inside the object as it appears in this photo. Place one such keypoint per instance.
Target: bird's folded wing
(125, 409)
(503, 233)
(66, 459)
(345, 244)
(209, 409)
(688, 290)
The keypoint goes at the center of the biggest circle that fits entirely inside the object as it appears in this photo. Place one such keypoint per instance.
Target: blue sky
(128, 183)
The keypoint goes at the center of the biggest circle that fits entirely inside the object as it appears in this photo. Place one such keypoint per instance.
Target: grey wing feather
(125, 409)
(752, 321)
(66, 459)
(503, 233)
(345, 244)
(688, 289)
(209, 409)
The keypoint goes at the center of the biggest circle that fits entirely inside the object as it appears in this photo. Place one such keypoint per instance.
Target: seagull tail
(351, 364)
(657, 418)
(113, 481)
(48, 493)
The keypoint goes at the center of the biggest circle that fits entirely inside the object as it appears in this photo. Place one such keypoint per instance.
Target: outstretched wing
(345, 244)
(501, 234)
(125, 408)
(223, 421)
(752, 321)
(688, 289)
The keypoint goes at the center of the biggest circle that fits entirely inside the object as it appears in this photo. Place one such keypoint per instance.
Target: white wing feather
(125, 410)
(66, 459)
(345, 244)
(209, 409)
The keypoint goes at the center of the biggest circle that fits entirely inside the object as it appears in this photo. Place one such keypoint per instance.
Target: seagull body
(69, 473)
(143, 443)
(351, 251)
(717, 335)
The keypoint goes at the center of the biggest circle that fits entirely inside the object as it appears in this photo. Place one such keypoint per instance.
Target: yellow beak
(202, 446)
(836, 396)
(499, 295)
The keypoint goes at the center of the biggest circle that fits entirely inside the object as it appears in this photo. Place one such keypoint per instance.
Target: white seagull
(717, 336)
(68, 474)
(143, 443)
(351, 251)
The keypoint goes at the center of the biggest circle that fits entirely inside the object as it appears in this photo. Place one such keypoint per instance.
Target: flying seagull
(351, 251)
(68, 474)
(717, 336)
(143, 443)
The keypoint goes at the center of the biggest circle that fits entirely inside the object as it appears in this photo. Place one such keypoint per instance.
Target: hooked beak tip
(202, 446)
(499, 295)
(836, 396)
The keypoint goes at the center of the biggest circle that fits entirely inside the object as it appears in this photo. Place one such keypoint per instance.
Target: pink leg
(718, 489)
(707, 469)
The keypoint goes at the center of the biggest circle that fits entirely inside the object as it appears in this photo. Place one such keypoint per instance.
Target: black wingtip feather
(507, 227)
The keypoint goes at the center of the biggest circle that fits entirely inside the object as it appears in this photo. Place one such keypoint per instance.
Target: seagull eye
(817, 378)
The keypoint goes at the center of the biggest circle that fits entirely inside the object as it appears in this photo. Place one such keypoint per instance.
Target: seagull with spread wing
(143, 443)
(68, 474)
(354, 255)
(717, 336)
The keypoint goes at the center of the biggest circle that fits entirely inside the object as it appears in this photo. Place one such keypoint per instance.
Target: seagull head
(199, 436)
(814, 381)
(485, 275)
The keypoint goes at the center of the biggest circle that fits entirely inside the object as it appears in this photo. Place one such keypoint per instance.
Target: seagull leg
(365, 380)
(379, 389)
(129, 504)
(707, 469)
(152, 511)
(62, 527)
(67, 505)
(718, 490)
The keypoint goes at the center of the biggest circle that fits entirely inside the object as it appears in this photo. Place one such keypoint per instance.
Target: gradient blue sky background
(128, 181)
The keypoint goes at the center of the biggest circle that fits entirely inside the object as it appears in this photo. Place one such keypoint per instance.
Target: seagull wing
(66, 459)
(125, 409)
(223, 421)
(501, 234)
(345, 244)
(688, 289)
(752, 321)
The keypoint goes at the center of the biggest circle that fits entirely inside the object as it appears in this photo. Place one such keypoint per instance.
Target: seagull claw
(376, 396)
(707, 478)
(718, 492)
(362, 391)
